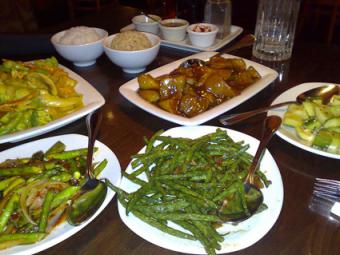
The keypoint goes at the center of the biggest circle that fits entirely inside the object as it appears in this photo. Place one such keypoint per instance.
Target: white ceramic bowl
(202, 39)
(173, 29)
(80, 54)
(132, 61)
(145, 24)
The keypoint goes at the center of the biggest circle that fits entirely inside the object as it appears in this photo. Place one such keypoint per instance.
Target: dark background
(34, 16)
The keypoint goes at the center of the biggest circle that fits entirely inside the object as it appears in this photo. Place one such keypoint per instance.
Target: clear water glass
(275, 29)
(218, 12)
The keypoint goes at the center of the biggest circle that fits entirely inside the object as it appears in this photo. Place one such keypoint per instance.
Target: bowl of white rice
(81, 45)
(133, 51)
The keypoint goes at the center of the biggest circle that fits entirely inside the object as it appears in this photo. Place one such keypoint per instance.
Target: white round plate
(242, 235)
(72, 141)
(289, 134)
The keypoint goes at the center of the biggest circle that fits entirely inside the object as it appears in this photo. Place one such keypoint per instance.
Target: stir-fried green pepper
(34, 93)
(35, 192)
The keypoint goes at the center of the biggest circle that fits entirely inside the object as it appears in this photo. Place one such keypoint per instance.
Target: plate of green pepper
(183, 188)
(37, 188)
(41, 95)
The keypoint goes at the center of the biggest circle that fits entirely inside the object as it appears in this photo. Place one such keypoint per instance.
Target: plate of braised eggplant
(194, 94)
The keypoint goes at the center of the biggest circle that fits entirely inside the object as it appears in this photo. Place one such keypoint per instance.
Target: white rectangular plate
(72, 141)
(186, 44)
(92, 100)
(129, 91)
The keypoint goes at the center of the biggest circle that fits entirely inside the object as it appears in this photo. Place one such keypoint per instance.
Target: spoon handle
(232, 119)
(93, 121)
(245, 41)
(147, 15)
(272, 124)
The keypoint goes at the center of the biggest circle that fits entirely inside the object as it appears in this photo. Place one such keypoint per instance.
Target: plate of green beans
(181, 189)
(38, 181)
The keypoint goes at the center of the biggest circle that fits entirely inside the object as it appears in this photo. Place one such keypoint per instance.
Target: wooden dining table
(298, 230)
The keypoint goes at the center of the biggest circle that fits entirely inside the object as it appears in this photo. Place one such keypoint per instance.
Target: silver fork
(326, 198)
(329, 189)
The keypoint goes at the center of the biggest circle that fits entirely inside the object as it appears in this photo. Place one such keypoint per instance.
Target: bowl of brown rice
(133, 51)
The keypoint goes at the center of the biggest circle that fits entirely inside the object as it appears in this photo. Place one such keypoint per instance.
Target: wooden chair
(317, 8)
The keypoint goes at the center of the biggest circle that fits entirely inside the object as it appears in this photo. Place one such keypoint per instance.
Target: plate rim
(277, 210)
(280, 111)
(41, 245)
(95, 101)
(128, 90)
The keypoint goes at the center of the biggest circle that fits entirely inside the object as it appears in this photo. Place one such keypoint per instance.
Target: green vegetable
(316, 123)
(34, 93)
(24, 182)
(8, 240)
(45, 211)
(23, 170)
(87, 202)
(188, 183)
(7, 211)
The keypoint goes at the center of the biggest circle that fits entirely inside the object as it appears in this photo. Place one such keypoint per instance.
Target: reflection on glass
(282, 67)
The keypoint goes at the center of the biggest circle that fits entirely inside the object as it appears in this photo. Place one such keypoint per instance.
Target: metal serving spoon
(149, 16)
(245, 41)
(254, 196)
(324, 93)
(93, 192)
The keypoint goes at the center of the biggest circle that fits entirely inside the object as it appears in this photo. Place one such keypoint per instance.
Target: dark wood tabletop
(298, 230)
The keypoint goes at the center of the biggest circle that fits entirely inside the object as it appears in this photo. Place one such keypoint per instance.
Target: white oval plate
(129, 91)
(242, 235)
(92, 100)
(289, 134)
(72, 141)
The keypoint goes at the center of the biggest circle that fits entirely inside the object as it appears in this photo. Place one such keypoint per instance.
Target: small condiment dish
(81, 55)
(134, 61)
(173, 29)
(145, 24)
(202, 34)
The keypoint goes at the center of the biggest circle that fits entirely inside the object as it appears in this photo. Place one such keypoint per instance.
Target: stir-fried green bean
(35, 192)
(194, 183)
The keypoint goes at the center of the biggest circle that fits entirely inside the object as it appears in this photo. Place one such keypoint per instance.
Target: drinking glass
(275, 29)
(218, 12)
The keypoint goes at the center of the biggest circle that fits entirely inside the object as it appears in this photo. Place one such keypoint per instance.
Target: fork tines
(327, 189)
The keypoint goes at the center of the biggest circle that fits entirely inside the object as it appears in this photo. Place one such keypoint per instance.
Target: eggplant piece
(188, 72)
(149, 95)
(241, 80)
(210, 97)
(191, 105)
(225, 73)
(201, 74)
(218, 62)
(170, 105)
(189, 90)
(146, 81)
(216, 85)
(171, 85)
